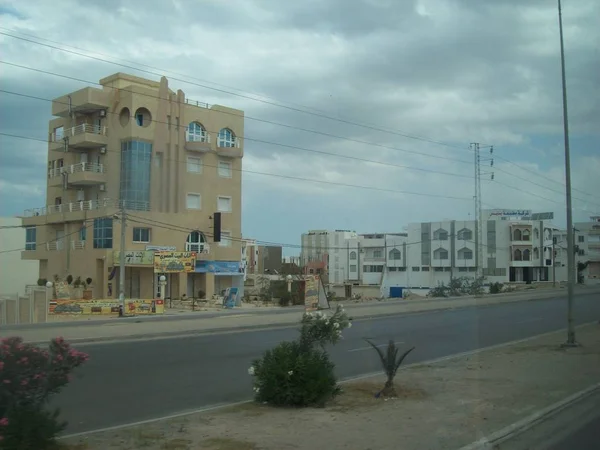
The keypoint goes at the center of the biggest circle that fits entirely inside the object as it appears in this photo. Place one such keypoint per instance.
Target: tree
(390, 362)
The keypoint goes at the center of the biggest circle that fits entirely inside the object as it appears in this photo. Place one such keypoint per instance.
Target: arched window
(196, 132)
(464, 235)
(440, 253)
(352, 256)
(526, 255)
(465, 253)
(195, 241)
(226, 138)
(518, 256)
(536, 254)
(440, 235)
(526, 235)
(395, 254)
(517, 236)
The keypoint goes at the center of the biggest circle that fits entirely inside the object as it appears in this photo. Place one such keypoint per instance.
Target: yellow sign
(105, 307)
(174, 262)
(311, 293)
(137, 258)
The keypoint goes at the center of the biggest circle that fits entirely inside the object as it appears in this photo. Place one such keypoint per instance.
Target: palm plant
(390, 362)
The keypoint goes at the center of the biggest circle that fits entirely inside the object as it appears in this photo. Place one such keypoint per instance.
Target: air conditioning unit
(102, 187)
(102, 150)
(103, 113)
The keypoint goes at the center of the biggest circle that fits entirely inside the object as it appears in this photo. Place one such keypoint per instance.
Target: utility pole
(553, 259)
(122, 262)
(479, 237)
(571, 342)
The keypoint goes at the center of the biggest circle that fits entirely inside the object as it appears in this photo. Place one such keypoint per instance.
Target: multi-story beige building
(171, 163)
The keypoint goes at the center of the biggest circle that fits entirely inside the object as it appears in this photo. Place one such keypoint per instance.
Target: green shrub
(285, 299)
(31, 428)
(69, 279)
(42, 282)
(496, 288)
(390, 362)
(292, 375)
(439, 291)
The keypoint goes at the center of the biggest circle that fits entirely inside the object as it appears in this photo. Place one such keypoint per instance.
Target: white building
(516, 246)
(587, 250)
(16, 273)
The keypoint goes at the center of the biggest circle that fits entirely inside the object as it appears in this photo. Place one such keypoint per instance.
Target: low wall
(59, 307)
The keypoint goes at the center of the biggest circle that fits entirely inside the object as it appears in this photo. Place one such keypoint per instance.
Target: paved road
(585, 438)
(131, 381)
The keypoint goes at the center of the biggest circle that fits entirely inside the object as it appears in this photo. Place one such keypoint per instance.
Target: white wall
(15, 274)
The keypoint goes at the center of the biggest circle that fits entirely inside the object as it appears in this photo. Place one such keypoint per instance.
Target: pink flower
(4, 422)
(24, 383)
(6, 381)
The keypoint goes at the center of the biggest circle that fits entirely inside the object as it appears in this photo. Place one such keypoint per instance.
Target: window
(440, 235)
(526, 235)
(194, 164)
(139, 119)
(425, 269)
(83, 233)
(30, 238)
(416, 269)
(554, 240)
(395, 254)
(193, 201)
(59, 133)
(440, 253)
(196, 132)
(225, 239)
(462, 269)
(141, 235)
(580, 238)
(224, 204)
(518, 255)
(352, 256)
(465, 235)
(194, 241)
(517, 236)
(465, 253)
(224, 169)
(103, 233)
(136, 158)
(352, 267)
(226, 138)
(526, 255)
(377, 253)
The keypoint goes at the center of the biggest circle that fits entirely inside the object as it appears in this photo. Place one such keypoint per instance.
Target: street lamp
(48, 287)
(289, 283)
(162, 281)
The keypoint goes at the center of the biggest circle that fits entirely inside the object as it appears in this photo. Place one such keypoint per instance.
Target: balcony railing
(197, 103)
(55, 245)
(77, 245)
(88, 205)
(197, 137)
(228, 143)
(77, 130)
(75, 168)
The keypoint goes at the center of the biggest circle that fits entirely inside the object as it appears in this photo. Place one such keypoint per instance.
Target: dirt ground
(443, 405)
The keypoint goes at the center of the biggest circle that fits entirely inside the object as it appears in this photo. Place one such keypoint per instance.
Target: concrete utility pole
(571, 341)
(122, 262)
(479, 229)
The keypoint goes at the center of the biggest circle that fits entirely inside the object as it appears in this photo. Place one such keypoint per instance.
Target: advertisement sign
(219, 267)
(105, 307)
(510, 212)
(62, 290)
(314, 294)
(174, 262)
(138, 258)
(161, 248)
(230, 297)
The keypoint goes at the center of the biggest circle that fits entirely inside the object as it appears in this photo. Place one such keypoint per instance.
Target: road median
(133, 329)
(446, 404)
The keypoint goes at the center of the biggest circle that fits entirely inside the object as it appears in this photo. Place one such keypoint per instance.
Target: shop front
(215, 277)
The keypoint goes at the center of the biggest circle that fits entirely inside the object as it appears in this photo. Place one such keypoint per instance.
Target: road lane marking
(343, 380)
(367, 348)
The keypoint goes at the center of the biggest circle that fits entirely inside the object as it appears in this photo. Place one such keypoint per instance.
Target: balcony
(230, 149)
(68, 212)
(84, 101)
(197, 142)
(80, 136)
(81, 174)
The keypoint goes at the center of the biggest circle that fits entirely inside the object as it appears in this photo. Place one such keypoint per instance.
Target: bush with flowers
(300, 373)
(29, 375)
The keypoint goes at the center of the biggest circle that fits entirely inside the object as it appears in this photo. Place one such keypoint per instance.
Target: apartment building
(516, 246)
(330, 253)
(170, 162)
(587, 250)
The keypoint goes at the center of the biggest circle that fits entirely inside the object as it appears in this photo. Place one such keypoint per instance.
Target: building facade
(16, 273)
(169, 162)
(587, 250)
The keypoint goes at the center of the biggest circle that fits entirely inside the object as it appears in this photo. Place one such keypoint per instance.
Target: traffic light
(217, 227)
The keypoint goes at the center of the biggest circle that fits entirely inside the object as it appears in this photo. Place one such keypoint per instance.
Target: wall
(15, 273)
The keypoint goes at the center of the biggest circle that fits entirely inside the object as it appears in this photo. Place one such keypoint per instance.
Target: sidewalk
(444, 404)
(141, 327)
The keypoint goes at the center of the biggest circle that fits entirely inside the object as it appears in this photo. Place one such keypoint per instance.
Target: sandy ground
(443, 405)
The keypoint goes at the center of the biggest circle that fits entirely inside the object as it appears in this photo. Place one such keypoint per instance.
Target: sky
(359, 113)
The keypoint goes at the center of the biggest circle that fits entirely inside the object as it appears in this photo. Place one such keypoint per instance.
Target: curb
(490, 442)
(271, 326)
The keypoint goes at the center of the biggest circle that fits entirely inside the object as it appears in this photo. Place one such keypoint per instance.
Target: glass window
(395, 254)
(139, 118)
(194, 164)
(352, 267)
(377, 253)
(83, 233)
(193, 201)
(440, 253)
(226, 138)
(224, 169)
(352, 255)
(30, 238)
(225, 239)
(465, 235)
(141, 235)
(440, 235)
(465, 253)
(103, 233)
(196, 132)
(136, 158)
(580, 238)
(224, 204)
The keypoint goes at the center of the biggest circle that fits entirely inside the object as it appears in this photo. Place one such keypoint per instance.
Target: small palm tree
(390, 362)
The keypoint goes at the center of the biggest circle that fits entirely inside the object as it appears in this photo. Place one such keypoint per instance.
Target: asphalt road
(126, 382)
(585, 438)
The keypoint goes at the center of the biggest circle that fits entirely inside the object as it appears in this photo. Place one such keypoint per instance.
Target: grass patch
(227, 444)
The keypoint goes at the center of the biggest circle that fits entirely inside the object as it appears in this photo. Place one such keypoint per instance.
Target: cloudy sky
(378, 99)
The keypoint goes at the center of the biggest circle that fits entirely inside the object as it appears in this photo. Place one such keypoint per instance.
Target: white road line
(535, 319)
(367, 348)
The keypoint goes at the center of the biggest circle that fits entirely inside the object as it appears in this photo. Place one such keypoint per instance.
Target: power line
(289, 177)
(245, 117)
(294, 147)
(323, 116)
